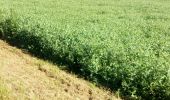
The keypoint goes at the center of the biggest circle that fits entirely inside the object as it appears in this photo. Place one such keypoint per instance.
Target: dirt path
(29, 78)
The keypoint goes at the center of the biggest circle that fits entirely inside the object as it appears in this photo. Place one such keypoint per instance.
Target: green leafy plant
(127, 52)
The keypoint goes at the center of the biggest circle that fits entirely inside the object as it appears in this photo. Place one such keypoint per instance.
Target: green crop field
(121, 44)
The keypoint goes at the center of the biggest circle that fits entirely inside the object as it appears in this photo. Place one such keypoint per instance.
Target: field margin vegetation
(135, 70)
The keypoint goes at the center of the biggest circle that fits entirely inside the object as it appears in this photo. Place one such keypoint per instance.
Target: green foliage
(123, 45)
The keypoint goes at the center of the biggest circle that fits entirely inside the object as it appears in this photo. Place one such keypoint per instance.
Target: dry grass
(33, 79)
(4, 93)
